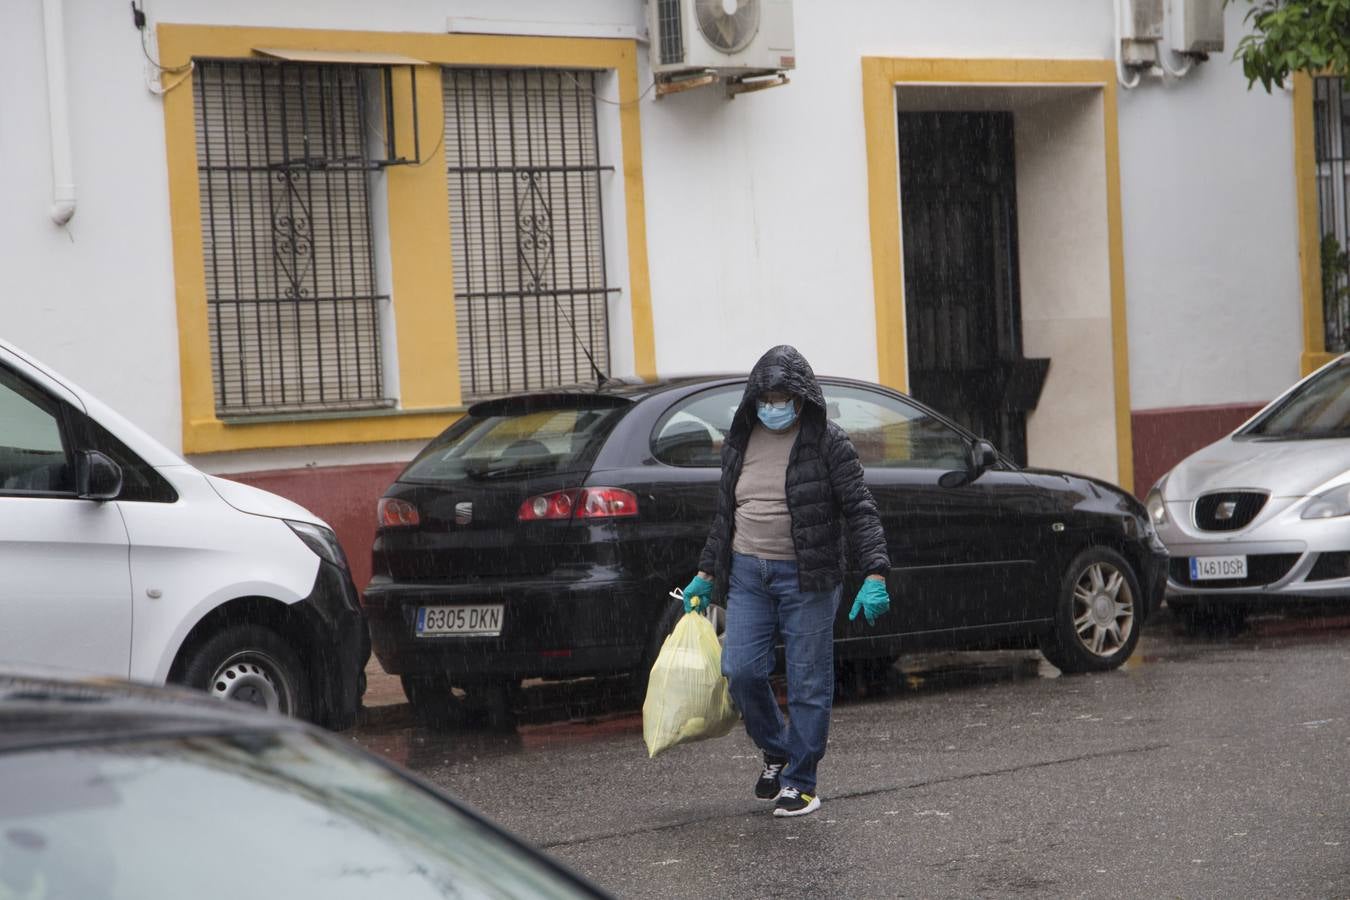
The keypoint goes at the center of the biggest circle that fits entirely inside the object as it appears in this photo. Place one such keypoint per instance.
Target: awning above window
(343, 57)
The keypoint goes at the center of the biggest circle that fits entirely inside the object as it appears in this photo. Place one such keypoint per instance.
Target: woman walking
(791, 490)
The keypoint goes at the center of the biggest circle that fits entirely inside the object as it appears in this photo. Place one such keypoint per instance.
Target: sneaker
(793, 802)
(767, 787)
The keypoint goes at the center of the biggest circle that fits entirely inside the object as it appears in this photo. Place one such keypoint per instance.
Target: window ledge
(366, 412)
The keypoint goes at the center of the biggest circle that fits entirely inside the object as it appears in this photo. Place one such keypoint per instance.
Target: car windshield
(244, 815)
(513, 443)
(1319, 408)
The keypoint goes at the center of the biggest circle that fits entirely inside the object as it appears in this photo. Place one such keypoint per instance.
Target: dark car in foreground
(540, 535)
(137, 793)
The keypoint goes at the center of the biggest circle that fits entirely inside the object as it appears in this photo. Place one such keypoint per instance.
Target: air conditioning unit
(733, 38)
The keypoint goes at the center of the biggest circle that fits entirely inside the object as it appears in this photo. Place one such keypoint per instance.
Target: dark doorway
(963, 312)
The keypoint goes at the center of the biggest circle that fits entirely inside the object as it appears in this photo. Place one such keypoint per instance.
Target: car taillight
(392, 513)
(579, 503)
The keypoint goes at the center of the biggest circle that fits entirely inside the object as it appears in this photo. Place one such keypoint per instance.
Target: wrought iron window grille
(284, 167)
(527, 229)
(1331, 115)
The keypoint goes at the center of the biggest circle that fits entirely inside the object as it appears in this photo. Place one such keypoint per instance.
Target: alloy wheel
(1103, 609)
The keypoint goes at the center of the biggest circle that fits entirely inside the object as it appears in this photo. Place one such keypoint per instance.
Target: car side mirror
(97, 477)
(986, 457)
(980, 458)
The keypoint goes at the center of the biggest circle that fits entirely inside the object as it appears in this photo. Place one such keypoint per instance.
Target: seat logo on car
(1225, 510)
(463, 513)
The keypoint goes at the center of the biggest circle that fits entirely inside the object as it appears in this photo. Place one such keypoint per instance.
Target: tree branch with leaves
(1290, 36)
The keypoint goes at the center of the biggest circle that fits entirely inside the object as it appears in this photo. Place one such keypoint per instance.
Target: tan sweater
(763, 524)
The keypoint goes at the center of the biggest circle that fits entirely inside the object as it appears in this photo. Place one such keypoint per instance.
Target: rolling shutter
(531, 298)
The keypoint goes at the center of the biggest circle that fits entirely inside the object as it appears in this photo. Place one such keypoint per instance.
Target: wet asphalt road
(1210, 766)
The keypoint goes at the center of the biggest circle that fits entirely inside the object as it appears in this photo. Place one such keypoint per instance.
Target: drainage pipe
(63, 177)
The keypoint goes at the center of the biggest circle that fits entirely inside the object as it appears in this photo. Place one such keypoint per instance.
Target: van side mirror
(97, 477)
(980, 458)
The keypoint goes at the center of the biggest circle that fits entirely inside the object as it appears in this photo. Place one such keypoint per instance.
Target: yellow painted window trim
(881, 75)
(1315, 353)
(422, 270)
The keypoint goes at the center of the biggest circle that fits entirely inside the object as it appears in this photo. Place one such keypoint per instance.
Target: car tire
(868, 676)
(1097, 614)
(493, 705)
(252, 664)
(433, 702)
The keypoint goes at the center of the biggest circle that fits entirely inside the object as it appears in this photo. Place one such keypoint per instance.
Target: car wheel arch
(289, 621)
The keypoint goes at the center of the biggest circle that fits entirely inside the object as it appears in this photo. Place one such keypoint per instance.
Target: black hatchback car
(540, 536)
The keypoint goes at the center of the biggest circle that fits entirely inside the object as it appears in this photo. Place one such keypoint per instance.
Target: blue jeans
(765, 599)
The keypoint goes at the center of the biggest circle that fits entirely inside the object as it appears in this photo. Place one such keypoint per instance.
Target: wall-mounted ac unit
(734, 38)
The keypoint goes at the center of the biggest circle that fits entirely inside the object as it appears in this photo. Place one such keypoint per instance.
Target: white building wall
(1064, 251)
(757, 208)
(1211, 237)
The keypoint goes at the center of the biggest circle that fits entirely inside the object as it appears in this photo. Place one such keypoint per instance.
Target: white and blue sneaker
(792, 802)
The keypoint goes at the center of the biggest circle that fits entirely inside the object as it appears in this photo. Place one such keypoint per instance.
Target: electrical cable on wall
(183, 71)
(595, 96)
(1125, 81)
(1178, 72)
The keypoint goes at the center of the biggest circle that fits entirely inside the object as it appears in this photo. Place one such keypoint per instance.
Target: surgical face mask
(777, 415)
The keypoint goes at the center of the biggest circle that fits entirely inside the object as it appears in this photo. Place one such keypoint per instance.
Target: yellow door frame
(1315, 354)
(881, 76)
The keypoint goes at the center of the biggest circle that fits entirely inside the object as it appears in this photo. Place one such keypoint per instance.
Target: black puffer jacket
(825, 489)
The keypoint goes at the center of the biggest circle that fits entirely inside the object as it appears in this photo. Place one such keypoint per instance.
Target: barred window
(294, 313)
(1331, 104)
(527, 236)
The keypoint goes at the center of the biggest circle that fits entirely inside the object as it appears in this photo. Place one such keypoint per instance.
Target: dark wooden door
(958, 203)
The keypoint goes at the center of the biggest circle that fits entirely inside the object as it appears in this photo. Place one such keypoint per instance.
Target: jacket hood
(783, 368)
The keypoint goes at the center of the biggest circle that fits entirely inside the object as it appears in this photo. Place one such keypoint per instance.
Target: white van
(119, 558)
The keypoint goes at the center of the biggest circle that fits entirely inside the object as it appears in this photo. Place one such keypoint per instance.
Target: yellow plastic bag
(687, 697)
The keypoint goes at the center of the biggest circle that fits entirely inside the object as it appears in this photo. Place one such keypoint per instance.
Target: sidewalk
(384, 700)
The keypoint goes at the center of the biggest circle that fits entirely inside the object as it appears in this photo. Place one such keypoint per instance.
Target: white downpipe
(1125, 81)
(63, 176)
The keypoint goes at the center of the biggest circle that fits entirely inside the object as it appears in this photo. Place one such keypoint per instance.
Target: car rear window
(1319, 408)
(511, 441)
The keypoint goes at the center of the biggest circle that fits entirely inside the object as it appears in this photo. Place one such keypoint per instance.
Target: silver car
(1263, 515)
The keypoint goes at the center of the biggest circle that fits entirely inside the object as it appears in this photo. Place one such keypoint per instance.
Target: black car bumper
(549, 628)
(1153, 581)
(338, 662)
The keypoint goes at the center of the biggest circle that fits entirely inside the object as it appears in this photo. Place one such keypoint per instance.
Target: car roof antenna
(601, 379)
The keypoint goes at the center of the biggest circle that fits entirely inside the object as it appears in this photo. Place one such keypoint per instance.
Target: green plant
(1294, 36)
(1335, 288)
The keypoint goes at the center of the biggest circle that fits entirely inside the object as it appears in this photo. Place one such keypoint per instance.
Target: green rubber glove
(872, 601)
(698, 595)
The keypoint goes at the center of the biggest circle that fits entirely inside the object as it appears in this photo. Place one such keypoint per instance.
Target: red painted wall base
(1164, 437)
(343, 496)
